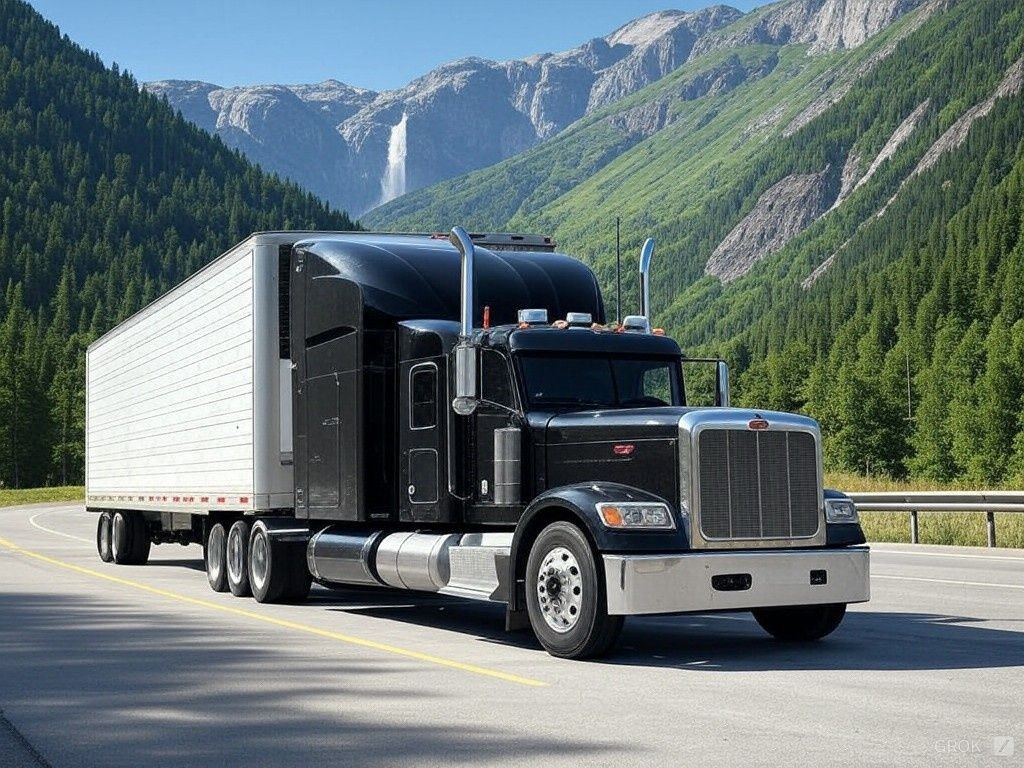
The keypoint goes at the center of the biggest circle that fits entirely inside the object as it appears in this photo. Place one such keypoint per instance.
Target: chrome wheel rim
(118, 526)
(104, 536)
(260, 558)
(215, 553)
(559, 586)
(235, 560)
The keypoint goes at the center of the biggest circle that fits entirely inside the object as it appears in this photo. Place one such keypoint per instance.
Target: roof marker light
(533, 316)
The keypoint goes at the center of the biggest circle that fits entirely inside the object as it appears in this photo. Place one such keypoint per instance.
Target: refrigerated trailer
(453, 414)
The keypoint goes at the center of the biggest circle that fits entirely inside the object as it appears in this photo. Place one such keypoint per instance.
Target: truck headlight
(840, 511)
(636, 515)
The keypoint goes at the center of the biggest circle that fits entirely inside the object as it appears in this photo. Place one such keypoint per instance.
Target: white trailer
(188, 405)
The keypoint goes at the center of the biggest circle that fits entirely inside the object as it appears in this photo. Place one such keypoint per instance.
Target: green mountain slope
(878, 236)
(108, 198)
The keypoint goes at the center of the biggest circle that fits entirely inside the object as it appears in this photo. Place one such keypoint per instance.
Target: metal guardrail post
(913, 502)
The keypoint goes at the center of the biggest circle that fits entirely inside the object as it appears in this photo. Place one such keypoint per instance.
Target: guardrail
(988, 502)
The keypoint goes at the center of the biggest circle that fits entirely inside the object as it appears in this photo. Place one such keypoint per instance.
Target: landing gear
(565, 595)
(800, 623)
(238, 559)
(215, 557)
(129, 538)
(103, 533)
(277, 570)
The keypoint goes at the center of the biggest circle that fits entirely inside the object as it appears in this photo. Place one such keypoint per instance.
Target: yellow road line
(349, 639)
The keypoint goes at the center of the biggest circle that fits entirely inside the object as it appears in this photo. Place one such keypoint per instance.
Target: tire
(215, 554)
(800, 623)
(237, 559)
(300, 580)
(141, 543)
(565, 595)
(103, 533)
(269, 566)
(129, 538)
(122, 535)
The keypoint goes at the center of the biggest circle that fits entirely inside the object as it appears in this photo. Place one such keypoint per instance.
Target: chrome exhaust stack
(465, 400)
(646, 254)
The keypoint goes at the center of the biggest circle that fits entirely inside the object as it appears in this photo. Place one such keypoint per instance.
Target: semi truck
(454, 414)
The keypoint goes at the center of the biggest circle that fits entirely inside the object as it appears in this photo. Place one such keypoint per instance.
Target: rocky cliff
(341, 141)
(338, 140)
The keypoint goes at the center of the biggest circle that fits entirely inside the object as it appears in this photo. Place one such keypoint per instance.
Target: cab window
(495, 379)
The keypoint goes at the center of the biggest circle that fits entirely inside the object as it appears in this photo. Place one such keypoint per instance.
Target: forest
(109, 198)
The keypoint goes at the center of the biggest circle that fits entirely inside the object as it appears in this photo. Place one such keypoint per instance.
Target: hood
(614, 424)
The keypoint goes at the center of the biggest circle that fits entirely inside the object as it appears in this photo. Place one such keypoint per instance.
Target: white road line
(34, 524)
(947, 581)
(875, 551)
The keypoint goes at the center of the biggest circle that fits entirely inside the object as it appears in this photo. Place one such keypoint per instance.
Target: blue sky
(378, 45)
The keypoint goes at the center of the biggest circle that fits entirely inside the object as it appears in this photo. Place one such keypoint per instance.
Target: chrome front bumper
(644, 584)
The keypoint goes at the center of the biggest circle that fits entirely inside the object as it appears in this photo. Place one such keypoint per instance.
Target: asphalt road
(104, 665)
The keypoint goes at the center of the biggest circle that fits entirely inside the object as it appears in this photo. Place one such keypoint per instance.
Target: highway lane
(104, 665)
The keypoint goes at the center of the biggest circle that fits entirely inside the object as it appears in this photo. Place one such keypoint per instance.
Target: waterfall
(392, 184)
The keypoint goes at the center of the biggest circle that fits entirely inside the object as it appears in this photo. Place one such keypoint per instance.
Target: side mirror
(466, 399)
(722, 384)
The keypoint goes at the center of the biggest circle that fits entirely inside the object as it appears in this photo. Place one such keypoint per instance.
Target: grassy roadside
(10, 497)
(966, 529)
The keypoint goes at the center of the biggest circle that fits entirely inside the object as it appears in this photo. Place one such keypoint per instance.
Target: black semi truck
(452, 414)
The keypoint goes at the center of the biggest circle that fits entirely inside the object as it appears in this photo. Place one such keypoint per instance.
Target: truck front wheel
(800, 623)
(565, 595)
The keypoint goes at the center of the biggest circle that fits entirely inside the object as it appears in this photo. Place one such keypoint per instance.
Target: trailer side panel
(170, 397)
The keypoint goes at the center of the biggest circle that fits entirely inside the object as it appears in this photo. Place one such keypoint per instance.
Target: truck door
(420, 467)
(497, 410)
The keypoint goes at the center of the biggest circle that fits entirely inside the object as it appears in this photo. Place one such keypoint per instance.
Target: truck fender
(577, 504)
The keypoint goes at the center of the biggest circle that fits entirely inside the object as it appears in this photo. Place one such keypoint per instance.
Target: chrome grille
(757, 484)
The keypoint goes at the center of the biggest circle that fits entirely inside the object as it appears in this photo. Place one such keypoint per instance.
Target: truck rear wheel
(802, 623)
(141, 542)
(103, 537)
(565, 595)
(214, 556)
(269, 569)
(238, 559)
(277, 569)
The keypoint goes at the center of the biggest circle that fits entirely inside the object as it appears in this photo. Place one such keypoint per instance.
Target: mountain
(836, 193)
(357, 149)
(108, 199)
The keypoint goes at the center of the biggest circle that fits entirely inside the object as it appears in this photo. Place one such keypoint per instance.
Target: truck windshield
(606, 382)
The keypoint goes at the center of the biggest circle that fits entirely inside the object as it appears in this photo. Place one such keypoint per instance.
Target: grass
(965, 529)
(10, 497)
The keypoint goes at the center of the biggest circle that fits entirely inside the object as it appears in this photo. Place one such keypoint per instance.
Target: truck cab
(518, 408)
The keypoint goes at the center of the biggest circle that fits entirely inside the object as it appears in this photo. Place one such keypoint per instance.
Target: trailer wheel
(103, 537)
(121, 537)
(214, 556)
(800, 623)
(269, 566)
(565, 595)
(238, 559)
